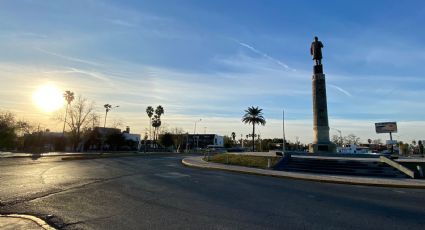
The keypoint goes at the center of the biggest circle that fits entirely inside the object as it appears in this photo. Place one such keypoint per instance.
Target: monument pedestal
(322, 148)
(321, 141)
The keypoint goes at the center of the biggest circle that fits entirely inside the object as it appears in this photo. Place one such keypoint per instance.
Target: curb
(37, 220)
(303, 176)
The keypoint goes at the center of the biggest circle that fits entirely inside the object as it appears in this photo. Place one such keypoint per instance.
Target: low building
(112, 139)
(353, 149)
(132, 137)
(202, 141)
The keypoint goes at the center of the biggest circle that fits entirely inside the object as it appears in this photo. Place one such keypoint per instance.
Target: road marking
(172, 175)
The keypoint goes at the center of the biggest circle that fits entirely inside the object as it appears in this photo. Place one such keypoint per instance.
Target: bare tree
(116, 123)
(81, 116)
(337, 140)
(351, 139)
(377, 141)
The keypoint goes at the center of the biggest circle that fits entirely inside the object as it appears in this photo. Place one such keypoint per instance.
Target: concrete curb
(198, 162)
(397, 166)
(38, 221)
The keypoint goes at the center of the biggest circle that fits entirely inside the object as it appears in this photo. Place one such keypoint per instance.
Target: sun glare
(48, 98)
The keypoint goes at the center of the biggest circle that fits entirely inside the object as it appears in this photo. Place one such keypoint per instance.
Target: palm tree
(149, 111)
(253, 115)
(69, 97)
(156, 123)
(159, 110)
(233, 137)
(157, 120)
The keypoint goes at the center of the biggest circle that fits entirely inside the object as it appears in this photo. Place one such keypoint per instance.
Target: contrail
(265, 55)
(68, 57)
(341, 90)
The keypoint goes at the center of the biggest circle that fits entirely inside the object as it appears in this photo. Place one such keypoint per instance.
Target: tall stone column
(321, 141)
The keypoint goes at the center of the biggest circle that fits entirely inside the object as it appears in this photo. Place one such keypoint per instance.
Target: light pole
(194, 130)
(108, 108)
(283, 132)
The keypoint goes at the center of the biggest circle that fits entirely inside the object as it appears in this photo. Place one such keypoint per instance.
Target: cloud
(265, 55)
(341, 90)
(120, 22)
(73, 59)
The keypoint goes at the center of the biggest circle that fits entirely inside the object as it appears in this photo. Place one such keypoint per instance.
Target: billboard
(386, 127)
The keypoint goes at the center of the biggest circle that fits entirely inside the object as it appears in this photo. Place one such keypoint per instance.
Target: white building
(352, 149)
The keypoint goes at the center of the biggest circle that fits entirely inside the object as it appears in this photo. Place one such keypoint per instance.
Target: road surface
(158, 192)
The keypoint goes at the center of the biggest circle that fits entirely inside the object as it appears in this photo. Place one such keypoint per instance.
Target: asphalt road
(158, 192)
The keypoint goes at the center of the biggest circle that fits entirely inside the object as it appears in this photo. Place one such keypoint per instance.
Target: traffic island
(198, 162)
(244, 160)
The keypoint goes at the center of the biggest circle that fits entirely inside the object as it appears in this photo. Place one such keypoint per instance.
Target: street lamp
(194, 130)
(108, 108)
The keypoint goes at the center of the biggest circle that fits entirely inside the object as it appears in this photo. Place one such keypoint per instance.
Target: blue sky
(213, 59)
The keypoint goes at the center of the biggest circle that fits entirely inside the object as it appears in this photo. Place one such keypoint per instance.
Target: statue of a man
(316, 51)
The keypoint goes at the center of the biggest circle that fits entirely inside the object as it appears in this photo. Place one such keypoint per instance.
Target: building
(112, 139)
(353, 149)
(132, 137)
(202, 141)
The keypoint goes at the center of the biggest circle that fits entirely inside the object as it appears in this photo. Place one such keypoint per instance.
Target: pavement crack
(58, 190)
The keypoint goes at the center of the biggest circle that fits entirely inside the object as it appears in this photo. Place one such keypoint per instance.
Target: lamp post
(108, 108)
(194, 130)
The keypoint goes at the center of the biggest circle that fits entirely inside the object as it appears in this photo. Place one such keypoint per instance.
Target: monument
(321, 142)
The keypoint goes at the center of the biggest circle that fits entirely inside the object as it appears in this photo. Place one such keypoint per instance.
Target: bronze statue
(316, 51)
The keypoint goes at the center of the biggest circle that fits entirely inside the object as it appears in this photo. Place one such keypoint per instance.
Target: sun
(48, 98)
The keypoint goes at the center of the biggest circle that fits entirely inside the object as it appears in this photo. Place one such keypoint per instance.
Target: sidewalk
(25, 222)
(197, 162)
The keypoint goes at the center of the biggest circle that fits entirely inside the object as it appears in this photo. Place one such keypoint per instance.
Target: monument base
(322, 148)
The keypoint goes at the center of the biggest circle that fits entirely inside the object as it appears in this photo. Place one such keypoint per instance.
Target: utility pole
(194, 130)
(283, 131)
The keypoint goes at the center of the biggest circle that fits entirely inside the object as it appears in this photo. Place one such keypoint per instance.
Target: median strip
(198, 162)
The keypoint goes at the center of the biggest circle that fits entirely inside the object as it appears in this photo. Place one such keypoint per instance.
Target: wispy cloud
(265, 55)
(69, 58)
(340, 90)
(120, 22)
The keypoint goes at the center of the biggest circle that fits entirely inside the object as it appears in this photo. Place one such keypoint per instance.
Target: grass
(244, 160)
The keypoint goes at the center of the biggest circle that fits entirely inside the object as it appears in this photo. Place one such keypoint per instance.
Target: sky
(211, 60)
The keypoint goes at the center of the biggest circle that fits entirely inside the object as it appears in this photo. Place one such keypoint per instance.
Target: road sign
(386, 127)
